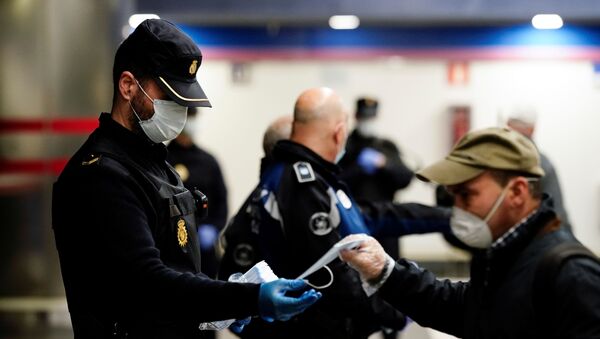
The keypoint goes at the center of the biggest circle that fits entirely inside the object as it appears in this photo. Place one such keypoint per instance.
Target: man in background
(523, 120)
(199, 169)
(302, 208)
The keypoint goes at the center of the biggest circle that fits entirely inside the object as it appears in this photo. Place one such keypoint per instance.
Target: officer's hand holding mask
(273, 304)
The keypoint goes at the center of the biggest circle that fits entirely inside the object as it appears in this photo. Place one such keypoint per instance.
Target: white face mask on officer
(340, 154)
(471, 229)
(167, 122)
(367, 127)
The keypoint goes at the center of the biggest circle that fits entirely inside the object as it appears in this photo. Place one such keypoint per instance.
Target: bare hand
(368, 258)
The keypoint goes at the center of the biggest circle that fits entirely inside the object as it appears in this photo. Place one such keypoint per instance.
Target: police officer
(372, 166)
(305, 209)
(199, 169)
(530, 278)
(125, 226)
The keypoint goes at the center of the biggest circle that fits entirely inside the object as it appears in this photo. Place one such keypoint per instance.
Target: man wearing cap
(499, 209)
(124, 224)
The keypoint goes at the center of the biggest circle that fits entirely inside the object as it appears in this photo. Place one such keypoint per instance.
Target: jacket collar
(518, 237)
(289, 151)
(136, 146)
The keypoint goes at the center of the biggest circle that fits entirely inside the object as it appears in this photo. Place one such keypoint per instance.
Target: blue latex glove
(239, 324)
(370, 160)
(207, 235)
(273, 304)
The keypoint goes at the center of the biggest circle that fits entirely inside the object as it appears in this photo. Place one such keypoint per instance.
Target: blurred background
(437, 67)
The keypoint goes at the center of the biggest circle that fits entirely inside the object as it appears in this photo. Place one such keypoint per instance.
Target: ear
(518, 192)
(339, 133)
(127, 85)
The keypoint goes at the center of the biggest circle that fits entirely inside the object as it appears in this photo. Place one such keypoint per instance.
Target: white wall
(414, 97)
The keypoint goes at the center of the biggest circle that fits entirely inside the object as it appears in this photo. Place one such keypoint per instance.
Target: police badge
(182, 236)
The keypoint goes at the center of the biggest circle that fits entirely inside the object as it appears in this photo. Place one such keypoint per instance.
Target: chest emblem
(320, 224)
(182, 236)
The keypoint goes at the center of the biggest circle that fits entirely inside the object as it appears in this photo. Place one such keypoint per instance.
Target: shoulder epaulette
(91, 159)
(304, 172)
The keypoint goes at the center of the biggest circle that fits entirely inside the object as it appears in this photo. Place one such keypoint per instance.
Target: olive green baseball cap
(491, 148)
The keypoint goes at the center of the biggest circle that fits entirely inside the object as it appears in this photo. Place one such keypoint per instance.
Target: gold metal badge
(182, 236)
(183, 172)
(193, 67)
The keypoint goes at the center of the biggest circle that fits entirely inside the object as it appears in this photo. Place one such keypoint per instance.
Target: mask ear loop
(322, 286)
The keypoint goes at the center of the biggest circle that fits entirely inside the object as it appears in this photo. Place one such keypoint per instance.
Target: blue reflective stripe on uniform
(352, 221)
(394, 227)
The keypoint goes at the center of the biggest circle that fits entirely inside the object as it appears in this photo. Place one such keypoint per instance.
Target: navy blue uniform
(125, 230)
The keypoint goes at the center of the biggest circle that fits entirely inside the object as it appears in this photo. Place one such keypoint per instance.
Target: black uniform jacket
(497, 301)
(204, 174)
(127, 265)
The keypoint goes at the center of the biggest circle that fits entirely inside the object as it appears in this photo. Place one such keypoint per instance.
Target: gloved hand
(370, 160)
(273, 304)
(368, 258)
(207, 235)
(238, 325)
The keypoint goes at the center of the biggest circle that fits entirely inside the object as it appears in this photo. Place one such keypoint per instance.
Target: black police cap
(170, 57)
(366, 108)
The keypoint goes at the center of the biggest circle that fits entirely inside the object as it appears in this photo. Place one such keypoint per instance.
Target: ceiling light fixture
(137, 19)
(547, 21)
(344, 22)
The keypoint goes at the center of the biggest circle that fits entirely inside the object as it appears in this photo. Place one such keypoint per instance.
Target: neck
(529, 207)
(120, 114)
(316, 145)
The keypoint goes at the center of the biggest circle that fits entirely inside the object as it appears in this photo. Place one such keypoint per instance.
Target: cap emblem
(193, 67)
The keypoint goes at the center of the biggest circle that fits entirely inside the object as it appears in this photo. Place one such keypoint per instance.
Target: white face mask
(471, 229)
(342, 152)
(167, 122)
(367, 128)
(340, 155)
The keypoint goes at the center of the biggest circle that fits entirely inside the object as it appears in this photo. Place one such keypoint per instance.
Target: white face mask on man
(167, 122)
(471, 229)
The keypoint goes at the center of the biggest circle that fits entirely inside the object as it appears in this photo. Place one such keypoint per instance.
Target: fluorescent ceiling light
(547, 21)
(137, 19)
(344, 22)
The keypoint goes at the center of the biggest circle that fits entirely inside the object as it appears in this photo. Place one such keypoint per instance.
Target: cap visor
(447, 173)
(184, 93)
